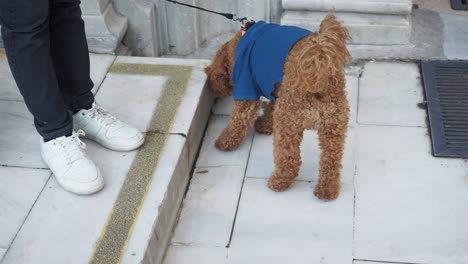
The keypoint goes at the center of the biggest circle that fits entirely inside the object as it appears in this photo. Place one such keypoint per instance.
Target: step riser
(169, 210)
(364, 29)
(395, 7)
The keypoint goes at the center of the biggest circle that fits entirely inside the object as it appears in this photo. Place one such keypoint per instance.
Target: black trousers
(47, 52)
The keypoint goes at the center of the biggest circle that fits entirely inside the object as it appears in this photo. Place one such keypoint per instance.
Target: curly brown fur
(312, 96)
(242, 118)
(264, 124)
(220, 71)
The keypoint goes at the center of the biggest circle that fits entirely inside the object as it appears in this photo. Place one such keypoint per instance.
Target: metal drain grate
(459, 4)
(446, 87)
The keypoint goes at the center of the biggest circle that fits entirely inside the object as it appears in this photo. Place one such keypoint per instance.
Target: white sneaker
(107, 130)
(73, 169)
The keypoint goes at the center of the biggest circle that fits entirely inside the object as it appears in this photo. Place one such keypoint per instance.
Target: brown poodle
(311, 96)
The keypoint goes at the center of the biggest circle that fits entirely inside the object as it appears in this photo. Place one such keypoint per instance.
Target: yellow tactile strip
(119, 226)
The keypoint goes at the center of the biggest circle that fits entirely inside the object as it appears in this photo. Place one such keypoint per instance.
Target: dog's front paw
(326, 193)
(227, 143)
(279, 184)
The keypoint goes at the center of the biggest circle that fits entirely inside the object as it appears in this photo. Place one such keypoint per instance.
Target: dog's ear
(218, 73)
(207, 70)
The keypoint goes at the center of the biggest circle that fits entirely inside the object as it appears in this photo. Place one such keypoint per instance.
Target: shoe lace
(74, 148)
(102, 116)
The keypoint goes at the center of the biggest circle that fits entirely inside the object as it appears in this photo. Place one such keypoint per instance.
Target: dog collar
(245, 26)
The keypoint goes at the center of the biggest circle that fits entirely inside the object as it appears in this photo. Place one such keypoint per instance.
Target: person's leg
(25, 32)
(71, 60)
(70, 56)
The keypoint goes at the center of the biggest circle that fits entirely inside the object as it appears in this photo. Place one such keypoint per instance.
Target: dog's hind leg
(287, 138)
(242, 119)
(264, 124)
(332, 134)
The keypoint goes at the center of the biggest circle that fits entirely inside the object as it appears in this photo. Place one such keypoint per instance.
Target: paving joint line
(98, 88)
(192, 171)
(240, 193)
(354, 207)
(218, 166)
(19, 167)
(165, 133)
(387, 262)
(358, 94)
(383, 125)
(221, 115)
(27, 215)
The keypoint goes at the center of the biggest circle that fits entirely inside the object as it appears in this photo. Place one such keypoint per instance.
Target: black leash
(226, 15)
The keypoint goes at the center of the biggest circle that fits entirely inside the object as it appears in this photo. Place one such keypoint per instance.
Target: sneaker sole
(90, 191)
(119, 148)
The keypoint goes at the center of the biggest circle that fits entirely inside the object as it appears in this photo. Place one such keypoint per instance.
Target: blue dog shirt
(260, 57)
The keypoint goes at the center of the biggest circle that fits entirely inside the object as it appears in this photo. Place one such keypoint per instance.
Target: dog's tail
(328, 54)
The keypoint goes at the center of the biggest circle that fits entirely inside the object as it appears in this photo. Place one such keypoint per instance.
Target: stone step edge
(368, 29)
(152, 247)
(395, 7)
(172, 203)
(355, 18)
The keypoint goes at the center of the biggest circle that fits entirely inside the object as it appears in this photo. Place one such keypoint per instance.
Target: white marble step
(394, 7)
(364, 28)
(58, 227)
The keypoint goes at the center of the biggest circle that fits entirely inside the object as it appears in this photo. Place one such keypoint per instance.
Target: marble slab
(194, 93)
(19, 189)
(389, 94)
(261, 163)
(223, 106)
(121, 92)
(2, 253)
(210, 156)
(455, 36)
(100, 64)
(408, 202)
(292, 226)
(86, 215)
(209, 207)
(196, 255)
(63, 227)
(18, 137)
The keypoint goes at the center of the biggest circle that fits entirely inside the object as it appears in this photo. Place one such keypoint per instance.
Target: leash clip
(242, 20)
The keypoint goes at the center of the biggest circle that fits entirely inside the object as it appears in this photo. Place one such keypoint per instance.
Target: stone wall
(158, 27)
(142, 34)
(105, 27)
(185, 29)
